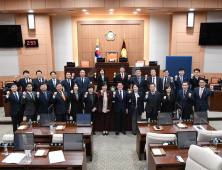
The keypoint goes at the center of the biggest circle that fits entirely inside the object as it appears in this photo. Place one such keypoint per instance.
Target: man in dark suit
(38, 81)
(101, 78)
(51, 84)
(68, 83)
(140, 80)
(22, 82)
(167, 80)
(153, 103)
(153, 79)
(43, 99)
(179, 80)
(120, 97)
(121, 77)
(60, 103)
(82, 82)
(91, 103)
(201, 96)
(15, 110)
(194, 80)
(185, 101)
(28, 99)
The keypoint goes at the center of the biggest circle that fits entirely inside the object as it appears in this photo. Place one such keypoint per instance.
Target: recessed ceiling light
(31, 11)
(52, 14)
(152, 9)
(135, 12)
(111, 10)
(138, 9)
(191, 9)
(218, 9)
(84, 10)
(86, 13)
(71, 10)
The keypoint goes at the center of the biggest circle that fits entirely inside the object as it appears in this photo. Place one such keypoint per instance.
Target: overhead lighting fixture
(138, 9)
(191, 9)
(84, 10)
(135, 12)
(31, 11)
(86, 13)
(111, 10)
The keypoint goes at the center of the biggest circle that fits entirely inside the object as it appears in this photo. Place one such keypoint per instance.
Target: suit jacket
(82, 86)
(132, 103)
(89, 105)
(109, 100)
(37, 84)
(22, 83)
(60, 106)
(43, 103)
(167, 82)
(194, 82)
(186, 102)
(120, 103)
(168, 105)
(15, 106)
(50, 85)
(143, 86)
(76, 105)
(67, 86)
(30, 105)
(159, 85)
(203, 101)
(178, 84)
(118, 78)
(99, 81)
(153, 104)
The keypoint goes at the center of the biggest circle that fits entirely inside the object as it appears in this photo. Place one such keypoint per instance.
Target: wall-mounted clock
(110, 35)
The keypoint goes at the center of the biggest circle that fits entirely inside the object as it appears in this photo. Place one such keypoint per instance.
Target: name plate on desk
(158, 152)
(42, 152)
(182, 125)
(156, 128)
(61, 127)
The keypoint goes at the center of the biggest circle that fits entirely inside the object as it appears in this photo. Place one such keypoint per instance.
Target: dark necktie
(16, 97)
(54, 83)
(120, 93)
(40, 80)
(153, 95)
(45, 95)
(139, 80)
(82, 80)
(26, 80)
(165, 82)
(184, 93)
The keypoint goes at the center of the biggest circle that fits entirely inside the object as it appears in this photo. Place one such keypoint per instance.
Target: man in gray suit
(28, 99)
(167, 79)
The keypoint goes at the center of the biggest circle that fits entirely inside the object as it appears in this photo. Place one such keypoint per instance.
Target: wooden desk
(143, 129)
(41, 135)
(215, 102)
(74, 159)
(169, 161)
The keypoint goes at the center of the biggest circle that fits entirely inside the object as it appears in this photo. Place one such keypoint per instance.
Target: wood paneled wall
(89, 30)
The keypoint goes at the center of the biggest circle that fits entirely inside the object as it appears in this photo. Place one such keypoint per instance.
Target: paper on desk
(40, 152)
(14, 158)
(22, 127)
(180, 125)
(59, 127)
(157, 152)
(56, 156)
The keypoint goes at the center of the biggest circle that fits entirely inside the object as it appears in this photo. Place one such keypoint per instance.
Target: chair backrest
(141, 61)
(85, 63)
(207, 135)
(158, 138)
(204, 159)
(111, 56)
(1, 84)
(8, 138)
(57, 138)
(215, 79)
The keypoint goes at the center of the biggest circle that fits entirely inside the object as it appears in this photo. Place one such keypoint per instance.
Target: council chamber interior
(110, 84)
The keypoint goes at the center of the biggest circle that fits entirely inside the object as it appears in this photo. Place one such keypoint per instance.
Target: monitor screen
(210, 33)
(186, 138)
(23, 141)
(10, 36)
(83, 120)
(72, 141)
(165, 118)
(47, 119)
(200, 118)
